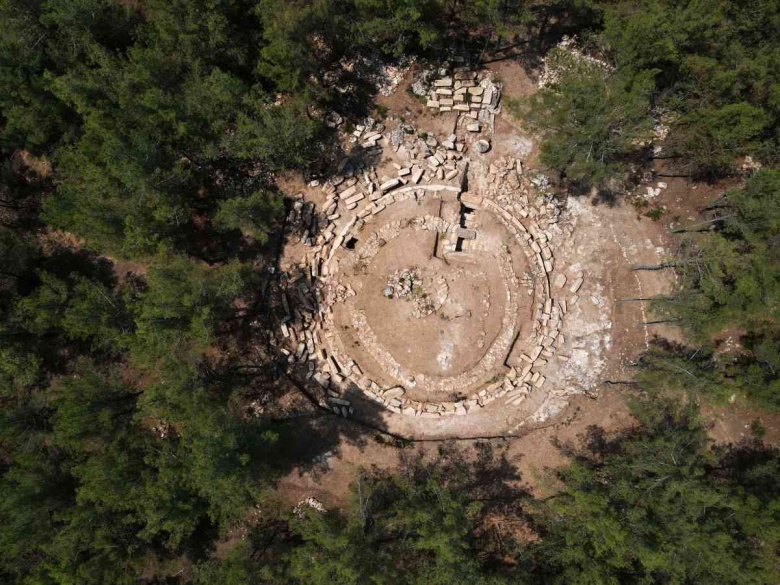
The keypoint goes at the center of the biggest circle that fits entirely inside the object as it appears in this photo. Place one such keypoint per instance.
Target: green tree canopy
(654, 506)
(593, 120)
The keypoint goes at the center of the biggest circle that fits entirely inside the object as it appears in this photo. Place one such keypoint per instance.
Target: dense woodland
(148, 134)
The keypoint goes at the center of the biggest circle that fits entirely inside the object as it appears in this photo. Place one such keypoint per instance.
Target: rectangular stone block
(355, 198)
(391, 184)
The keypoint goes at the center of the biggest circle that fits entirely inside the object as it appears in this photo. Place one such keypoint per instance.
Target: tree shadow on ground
(549, 23)
(480, 474)
(310, 440)
(606, 197)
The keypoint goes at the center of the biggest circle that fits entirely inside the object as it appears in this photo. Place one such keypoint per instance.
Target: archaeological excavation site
(435, 279)
(409, 292)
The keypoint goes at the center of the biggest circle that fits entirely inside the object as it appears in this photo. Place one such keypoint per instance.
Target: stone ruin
(345, 234)
(467, 92)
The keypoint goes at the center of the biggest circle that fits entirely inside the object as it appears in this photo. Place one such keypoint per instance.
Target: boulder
(482, 146)
(395, 392)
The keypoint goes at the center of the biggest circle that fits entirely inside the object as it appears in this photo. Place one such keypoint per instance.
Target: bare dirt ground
(534, 454)
(605, 330)
(467, 301)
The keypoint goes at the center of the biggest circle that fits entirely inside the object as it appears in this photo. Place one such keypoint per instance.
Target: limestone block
(391, 184)
(354, 199)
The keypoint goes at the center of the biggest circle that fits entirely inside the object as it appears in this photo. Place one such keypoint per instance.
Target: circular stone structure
(470, 285)
(428, 300)
(472, 301)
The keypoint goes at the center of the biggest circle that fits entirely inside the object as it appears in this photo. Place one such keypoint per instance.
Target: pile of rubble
(390, 76)
(408, 284)
(302, 219)
(403, 282)
(385, 76)
(524, 196)
(465, 92)
(430, 164)
(749, 165)
(368, 133)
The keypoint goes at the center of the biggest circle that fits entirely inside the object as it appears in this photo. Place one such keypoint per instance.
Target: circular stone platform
(453, 330)
(462, 300)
